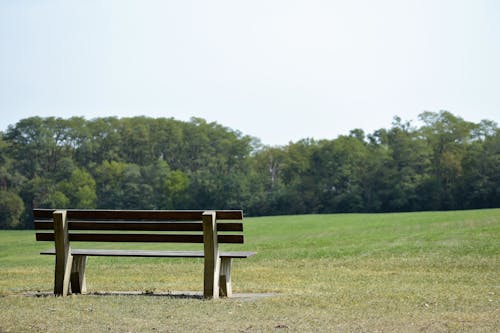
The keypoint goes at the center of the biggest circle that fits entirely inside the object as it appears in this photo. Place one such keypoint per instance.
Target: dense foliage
(145, 163)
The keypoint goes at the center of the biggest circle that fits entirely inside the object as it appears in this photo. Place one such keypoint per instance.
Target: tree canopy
(146, 163)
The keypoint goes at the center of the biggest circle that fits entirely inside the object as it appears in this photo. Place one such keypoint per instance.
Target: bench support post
(211, 252)
(78, 283)
(225, 277)
(63, 254)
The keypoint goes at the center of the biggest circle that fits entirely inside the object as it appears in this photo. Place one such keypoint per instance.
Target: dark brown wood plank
(113, 238)
(43, 213)
(144, 238)
(44, 236)
(135, 215)
(141, 238)
(179, 215)
(44, 225)
(229, 226)
(150, 226)
(230, 239)
(139, 226)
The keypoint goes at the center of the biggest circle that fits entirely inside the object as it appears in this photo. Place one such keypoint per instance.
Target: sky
(278, 70)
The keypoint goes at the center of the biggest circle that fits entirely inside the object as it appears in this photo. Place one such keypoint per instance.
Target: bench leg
(64, 260)
(211, 271)
(225, 277)
(211, 279)
(62, 275)
(78, 283)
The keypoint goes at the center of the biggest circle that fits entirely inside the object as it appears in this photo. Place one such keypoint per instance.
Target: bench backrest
(120, 225)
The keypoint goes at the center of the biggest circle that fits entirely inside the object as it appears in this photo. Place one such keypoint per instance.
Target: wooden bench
(64, 227)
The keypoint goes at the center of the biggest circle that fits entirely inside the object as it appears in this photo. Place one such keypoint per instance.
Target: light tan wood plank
(212, 260)
(226, 289)
(63, 254)
(78, 281)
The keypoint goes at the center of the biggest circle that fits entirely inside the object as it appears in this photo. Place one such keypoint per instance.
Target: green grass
(410, 272)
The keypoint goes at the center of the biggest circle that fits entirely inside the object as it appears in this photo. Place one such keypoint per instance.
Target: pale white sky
(278, 70)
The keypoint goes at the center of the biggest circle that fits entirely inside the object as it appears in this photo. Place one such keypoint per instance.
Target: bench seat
(147, 253)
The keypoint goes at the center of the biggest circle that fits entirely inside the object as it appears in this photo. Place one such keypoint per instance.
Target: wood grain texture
(226, 289)
(64, 259)
(141, 238)
(138, 225)
(178, 215)
(78, 281)
(211, 253)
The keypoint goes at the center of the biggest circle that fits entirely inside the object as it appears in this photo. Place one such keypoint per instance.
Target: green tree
(101, 142)
(80, 189)
(10, 178)
(108, 177)
(408, 168)
(121, 185)
(176, 186)
(164, 163)
(265, 185)
(11, 210)
(136, 193)
(481, 168)
(137, 147)
(339, 167)
(449, 137)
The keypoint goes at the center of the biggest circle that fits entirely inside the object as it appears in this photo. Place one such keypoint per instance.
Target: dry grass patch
(420, 272)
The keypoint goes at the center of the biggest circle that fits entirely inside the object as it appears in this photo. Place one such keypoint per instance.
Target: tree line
(145, 163)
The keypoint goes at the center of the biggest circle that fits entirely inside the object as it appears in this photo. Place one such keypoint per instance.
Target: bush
(11, 208)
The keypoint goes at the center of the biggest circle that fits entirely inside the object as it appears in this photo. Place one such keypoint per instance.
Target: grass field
(410, 272)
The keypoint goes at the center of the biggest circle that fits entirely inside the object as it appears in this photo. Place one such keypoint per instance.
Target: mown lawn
(410, 272)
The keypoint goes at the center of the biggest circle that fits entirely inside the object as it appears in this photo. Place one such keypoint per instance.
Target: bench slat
(144, 238)
(178, 215)
(138, 226)
(146, 253)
